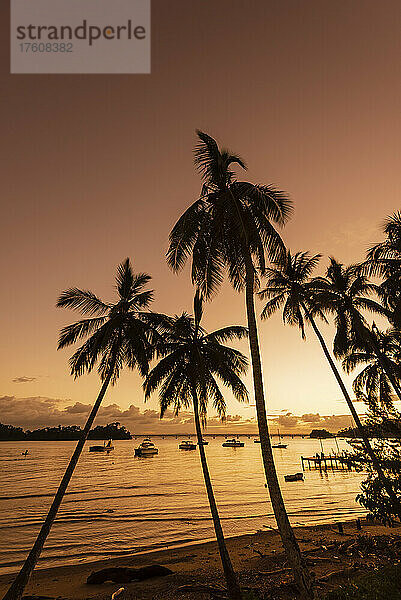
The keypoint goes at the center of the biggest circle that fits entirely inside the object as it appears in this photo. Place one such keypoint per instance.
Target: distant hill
(320, 433)
(114, 431)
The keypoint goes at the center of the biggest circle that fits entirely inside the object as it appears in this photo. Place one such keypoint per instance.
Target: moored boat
(187, 445)
(256, 441)
(105, 448)
(233, 443)
(294, 477)
(203, 443)
(146, 448)
(279, 444)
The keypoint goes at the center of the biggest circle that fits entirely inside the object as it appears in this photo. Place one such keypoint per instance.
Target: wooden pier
(325, 462)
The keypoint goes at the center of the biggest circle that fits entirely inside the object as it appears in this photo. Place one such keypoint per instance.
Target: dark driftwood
(341, 573)
(125, 574)
(275, 572)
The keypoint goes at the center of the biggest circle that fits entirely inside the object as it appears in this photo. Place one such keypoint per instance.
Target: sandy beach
(254, 557)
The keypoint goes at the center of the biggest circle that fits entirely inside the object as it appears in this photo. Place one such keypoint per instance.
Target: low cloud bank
(39, 411)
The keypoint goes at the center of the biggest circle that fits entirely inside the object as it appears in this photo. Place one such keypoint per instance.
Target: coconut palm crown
(289, 285)
(230, 219)
(372, 384)
(384, 260)
(343, 293)
(119, 334)
(193, 360)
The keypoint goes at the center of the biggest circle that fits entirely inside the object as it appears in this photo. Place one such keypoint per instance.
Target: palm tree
(191, 361)
(230, 227)
(289, 285)
(119, 334)
(343, 293)
(372, 384)
(384, 260)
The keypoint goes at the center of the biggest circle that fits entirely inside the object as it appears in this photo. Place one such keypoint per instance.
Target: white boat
(146, 448)
(203, 443)
(187, 445)
(233, 443)
(105, 448)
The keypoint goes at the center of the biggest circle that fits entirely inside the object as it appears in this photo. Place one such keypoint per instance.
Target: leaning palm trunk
(301, 574)
(17, 587)
(361, 430)
(234, 592)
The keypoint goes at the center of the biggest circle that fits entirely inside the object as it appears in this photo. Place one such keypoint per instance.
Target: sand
(252, 556)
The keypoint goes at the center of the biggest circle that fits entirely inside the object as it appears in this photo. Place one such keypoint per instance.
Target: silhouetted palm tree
(343, 293)
(372, 384)
(289, 285)
(191, 362)
(230, 227)
(119, 334)
(384, 260)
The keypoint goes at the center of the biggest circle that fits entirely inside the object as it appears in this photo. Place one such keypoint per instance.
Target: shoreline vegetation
(259, 560)
(116, 431)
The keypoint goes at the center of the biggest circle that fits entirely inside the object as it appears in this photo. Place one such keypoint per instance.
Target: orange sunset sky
(99, 167)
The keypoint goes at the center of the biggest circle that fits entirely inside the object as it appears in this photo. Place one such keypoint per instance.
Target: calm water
(119, 504)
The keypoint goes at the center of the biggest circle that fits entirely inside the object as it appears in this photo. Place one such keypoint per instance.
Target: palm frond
(84, 301)
(71, 333)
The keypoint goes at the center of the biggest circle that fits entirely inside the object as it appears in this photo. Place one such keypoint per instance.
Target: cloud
(40, 411)
(23, 379)
(304, 423)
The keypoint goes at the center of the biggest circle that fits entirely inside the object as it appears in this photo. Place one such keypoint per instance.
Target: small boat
(294, 477)
(105, 448)
(203, 443)
(279, 444)
(187, 445)
(147, 448)
(233, 443)
(256, 441)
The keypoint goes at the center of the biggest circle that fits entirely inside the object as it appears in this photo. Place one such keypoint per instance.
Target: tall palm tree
(118, 334)
(191, 361)
(343, 293)
(289, 285)
(231, 227)
(384, 260)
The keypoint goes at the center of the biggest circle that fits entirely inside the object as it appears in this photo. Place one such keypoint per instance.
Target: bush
(383, 584)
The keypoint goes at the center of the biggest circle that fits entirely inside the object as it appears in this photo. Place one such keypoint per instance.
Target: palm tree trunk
(234, 592)
(17, 587)
(361, 430)
(301, 574)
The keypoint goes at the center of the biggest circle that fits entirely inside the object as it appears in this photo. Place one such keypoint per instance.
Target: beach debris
(127, 574)
(37, 597)
(216, 592)
(117, 593)
(275, 571)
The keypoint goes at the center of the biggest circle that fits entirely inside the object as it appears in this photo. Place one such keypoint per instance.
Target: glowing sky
(96, 168)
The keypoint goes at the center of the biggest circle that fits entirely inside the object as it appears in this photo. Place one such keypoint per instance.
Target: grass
(383, 584)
